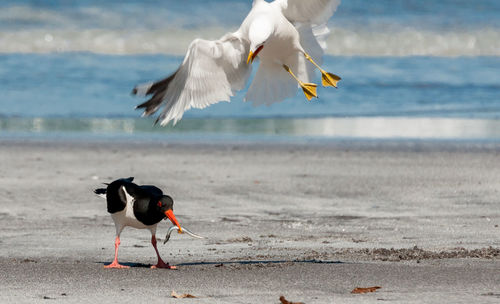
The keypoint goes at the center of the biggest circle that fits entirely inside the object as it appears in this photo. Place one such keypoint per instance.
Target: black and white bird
(287, 35)
(141, 207)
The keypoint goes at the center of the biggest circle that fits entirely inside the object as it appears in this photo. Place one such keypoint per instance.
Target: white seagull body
(286, 35)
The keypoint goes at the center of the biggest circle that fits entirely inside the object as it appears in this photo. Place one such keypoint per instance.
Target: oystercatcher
(141, 207)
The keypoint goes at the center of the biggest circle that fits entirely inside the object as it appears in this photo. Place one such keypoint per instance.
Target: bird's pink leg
(160, 264)
(115, 264)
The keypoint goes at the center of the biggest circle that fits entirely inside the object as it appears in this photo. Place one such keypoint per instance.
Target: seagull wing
(308, 11)
(212, 71)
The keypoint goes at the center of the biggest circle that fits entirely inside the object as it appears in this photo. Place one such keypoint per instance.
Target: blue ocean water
(428, 67)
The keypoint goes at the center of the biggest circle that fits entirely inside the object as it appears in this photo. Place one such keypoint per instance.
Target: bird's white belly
(126, 217)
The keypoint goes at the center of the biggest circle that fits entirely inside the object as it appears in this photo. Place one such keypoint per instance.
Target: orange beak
(171, 217)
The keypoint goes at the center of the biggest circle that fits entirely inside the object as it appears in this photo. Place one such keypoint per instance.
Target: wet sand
(311, 223)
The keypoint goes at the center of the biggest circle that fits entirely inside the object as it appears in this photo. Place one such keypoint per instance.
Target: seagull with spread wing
(288, 36)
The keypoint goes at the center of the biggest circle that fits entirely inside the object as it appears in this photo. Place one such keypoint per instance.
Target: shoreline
(258, 143)
(295, 130)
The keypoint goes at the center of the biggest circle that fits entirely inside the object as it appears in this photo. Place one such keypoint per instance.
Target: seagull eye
(159, 204)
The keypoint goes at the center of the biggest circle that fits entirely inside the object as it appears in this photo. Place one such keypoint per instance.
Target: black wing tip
(147, 104)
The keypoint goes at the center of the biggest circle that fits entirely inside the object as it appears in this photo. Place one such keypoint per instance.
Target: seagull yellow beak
(252, 55)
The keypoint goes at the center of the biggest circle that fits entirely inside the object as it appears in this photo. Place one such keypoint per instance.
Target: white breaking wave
(413, 42)
(103, 41)
(174, 41)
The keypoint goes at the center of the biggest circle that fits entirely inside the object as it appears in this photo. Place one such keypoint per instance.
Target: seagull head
(258, 34)
(165, 205)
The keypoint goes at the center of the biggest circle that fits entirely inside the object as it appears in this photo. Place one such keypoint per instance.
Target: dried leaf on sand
(181, 296)
(359, 290)
(284, 301)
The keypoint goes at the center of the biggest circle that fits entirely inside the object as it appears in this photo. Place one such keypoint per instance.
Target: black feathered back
(117, 202)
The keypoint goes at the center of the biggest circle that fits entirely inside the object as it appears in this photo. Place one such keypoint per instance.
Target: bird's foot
(309, 90)
(163, 265)
(329, 79)
(116, 266)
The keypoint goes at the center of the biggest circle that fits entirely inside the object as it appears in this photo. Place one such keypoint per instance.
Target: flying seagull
(288, 36)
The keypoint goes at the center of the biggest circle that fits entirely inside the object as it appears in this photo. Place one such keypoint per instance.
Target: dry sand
(311, 223)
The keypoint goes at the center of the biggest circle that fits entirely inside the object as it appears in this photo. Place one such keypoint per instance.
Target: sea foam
(136, 27)
(174, 41)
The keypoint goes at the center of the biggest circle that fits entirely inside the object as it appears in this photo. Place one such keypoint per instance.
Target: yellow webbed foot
(309, 90)
(329, 79)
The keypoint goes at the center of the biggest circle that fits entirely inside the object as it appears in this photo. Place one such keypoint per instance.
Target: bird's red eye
(159, 204)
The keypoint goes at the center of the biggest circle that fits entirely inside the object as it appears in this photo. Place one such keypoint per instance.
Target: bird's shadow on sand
(131, 265)
(222, 263)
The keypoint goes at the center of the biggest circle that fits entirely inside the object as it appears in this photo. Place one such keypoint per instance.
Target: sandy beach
(311, 223)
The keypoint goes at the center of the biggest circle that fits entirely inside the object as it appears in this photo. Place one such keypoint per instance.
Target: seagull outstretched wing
(309, 11)
(212, 71)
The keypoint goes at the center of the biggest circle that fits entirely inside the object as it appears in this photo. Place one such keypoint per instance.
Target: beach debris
(361, 290)
(244, 239)
(285, 301)
(29, 261)
(181, 296)
(184, 230)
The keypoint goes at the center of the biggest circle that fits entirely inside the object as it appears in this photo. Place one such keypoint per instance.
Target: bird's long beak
(252, 55)
(171, 217)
